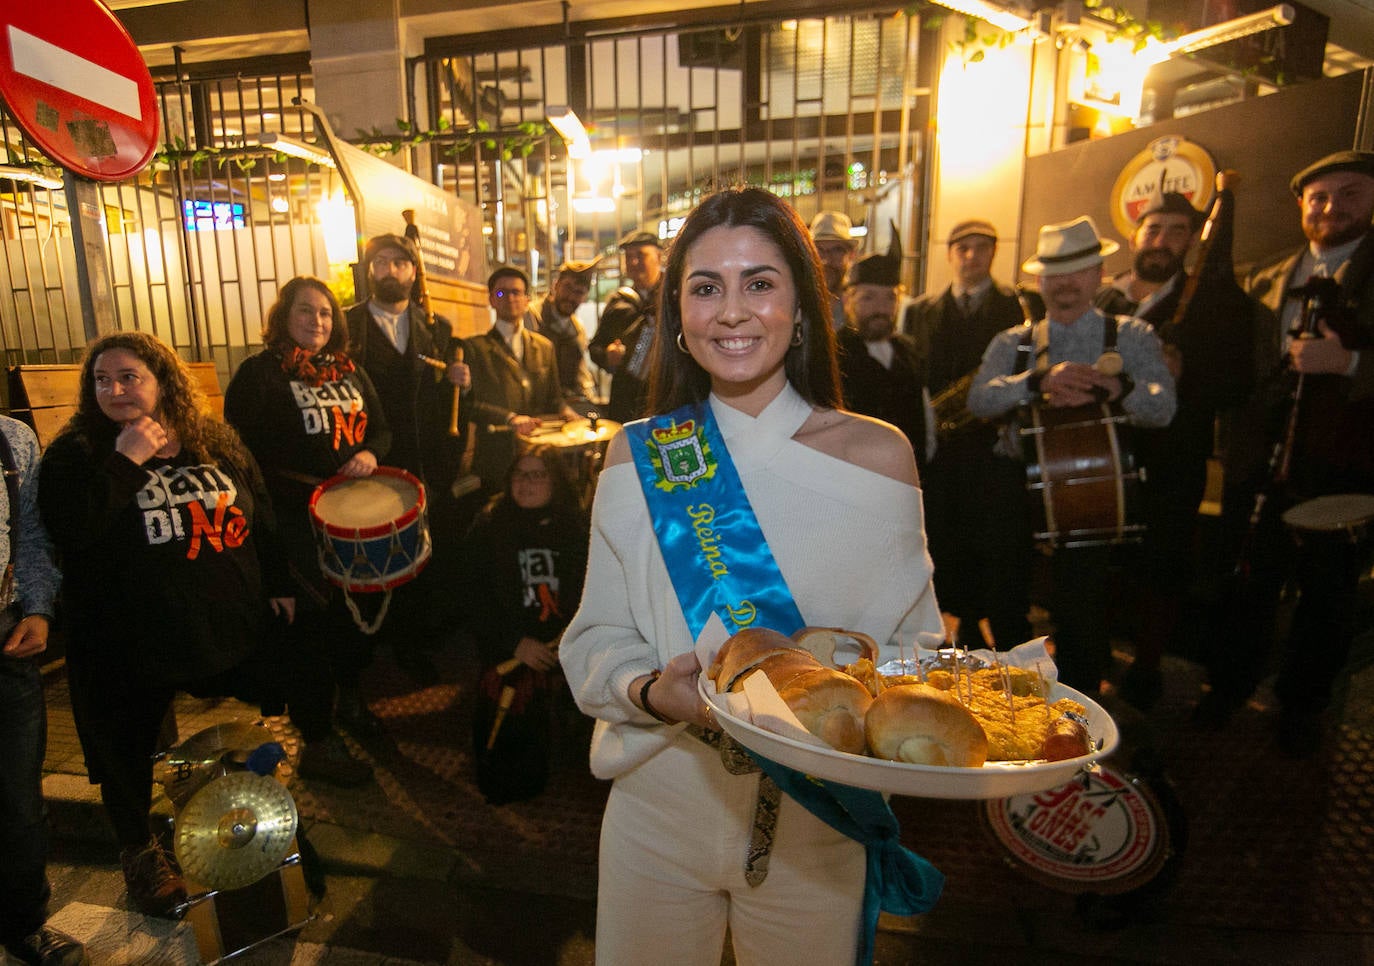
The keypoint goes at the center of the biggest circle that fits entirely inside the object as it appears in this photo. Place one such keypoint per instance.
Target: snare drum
(1341, 516)
(1082, 477)
(372, 531)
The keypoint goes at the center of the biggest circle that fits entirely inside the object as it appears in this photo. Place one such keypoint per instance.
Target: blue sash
(719, 562)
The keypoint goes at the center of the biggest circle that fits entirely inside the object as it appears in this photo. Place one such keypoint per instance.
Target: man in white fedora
(833, 233)
(1076, 356)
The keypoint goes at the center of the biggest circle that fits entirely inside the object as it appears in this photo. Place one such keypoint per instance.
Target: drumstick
(505, 667)
(457, 398)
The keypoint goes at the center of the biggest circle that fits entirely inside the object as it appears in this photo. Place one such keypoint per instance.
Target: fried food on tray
(1018, 720)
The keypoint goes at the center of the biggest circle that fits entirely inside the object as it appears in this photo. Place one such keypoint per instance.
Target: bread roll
(743, 652)
(831, 705)
(922, 725)
(824, 641)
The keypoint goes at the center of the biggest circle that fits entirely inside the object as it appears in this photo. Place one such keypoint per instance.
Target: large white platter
(996, 779)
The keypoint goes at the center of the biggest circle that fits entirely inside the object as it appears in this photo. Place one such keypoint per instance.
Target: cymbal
(576, 432)
(235, 830)
(210, 743)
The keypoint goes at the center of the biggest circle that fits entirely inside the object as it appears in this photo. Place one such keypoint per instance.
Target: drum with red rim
(372, 531)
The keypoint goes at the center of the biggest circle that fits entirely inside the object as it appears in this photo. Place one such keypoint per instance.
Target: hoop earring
(682, 346)
(797, 335)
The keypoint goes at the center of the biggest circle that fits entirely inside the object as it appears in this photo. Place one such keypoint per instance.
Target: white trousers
(673, 843)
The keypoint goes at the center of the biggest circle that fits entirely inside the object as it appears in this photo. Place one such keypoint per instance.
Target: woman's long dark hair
(182, 405)
(675, 378)
(277, 334)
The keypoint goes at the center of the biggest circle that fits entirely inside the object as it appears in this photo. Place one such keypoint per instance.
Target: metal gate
(825, 111)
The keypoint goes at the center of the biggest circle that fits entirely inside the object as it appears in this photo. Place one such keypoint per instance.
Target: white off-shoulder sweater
(849, 542)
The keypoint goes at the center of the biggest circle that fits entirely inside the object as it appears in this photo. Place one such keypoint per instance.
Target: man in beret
(879, 368)
(554, 317)
(1208, 349)
(1075, 357)
(391, 337)
(969, 489)
(833, 234)
(622, 339)
(1327, 285)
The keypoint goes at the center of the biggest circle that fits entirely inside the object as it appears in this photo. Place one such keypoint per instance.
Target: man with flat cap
(833, 234)
(969, 489)
(625, 333)
(412, 362)
(391, 338)
(1075, 356)
(554, 317)
(1326, 287)
(879, 368)
(1208, 346)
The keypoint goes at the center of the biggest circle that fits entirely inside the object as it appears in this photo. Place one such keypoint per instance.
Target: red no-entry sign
(73, 78)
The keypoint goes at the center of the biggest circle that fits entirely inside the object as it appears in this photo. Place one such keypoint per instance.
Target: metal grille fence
(825, 111)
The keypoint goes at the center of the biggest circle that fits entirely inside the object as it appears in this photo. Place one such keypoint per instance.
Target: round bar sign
(73, 79)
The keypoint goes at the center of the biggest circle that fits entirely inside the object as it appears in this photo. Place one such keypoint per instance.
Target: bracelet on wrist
(644, 699)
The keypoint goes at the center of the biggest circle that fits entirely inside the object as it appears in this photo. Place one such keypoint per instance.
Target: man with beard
(833, 234)
(879, 369)
(1208, 351)
(1076, 356)
(514, 379)
(391, 338)
(626, 330)
(554, 318)
(970, 490)
(1333, 454)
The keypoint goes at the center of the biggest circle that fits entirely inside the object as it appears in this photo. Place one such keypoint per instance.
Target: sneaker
(353, 714)
(328, 760)
(153, 881)
(49, 947)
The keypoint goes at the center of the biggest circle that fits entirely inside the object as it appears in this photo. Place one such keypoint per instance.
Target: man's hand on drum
(537, 654)
(522, 424)
(1320, 353)
(141, 439)
(459, 374)
(361, 463)
(1078, 384)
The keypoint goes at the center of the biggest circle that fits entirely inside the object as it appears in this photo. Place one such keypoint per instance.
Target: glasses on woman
(530, 476)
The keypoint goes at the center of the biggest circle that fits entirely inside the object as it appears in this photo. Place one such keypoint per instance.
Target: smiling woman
(722, 496)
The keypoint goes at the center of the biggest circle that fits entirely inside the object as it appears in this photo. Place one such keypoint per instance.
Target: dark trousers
(1325, 571)
(119, 713)
(23, 830)
(1078, 608)
(978, 529)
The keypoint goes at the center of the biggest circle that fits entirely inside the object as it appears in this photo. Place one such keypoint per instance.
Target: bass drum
(1082, 477)
(1113, 837)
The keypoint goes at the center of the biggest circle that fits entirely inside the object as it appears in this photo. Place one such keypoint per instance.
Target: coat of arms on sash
(680, 455)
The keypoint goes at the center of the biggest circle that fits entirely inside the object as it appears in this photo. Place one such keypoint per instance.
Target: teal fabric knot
(896, 880)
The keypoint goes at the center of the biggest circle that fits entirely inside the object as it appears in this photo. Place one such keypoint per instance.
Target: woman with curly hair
(167, 546)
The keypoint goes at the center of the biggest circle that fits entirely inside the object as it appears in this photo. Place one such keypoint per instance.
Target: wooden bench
(45, 396)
